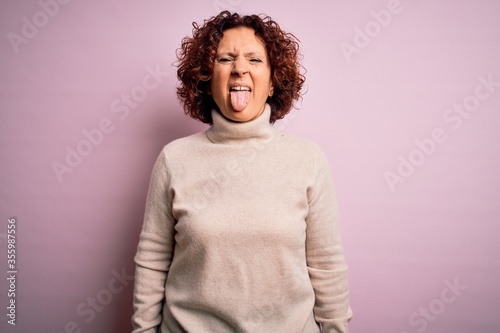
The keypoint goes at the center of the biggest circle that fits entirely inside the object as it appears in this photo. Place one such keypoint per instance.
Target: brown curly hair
(197, 54)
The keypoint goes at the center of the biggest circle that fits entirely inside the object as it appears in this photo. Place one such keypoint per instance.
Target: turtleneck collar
(228, 132)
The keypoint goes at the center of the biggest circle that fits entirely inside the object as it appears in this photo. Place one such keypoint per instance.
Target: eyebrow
(247, 54)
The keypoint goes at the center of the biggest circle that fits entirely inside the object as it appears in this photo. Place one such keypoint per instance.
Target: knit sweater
(241, 235)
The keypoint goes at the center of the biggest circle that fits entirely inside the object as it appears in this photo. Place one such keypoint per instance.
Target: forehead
(240, 38)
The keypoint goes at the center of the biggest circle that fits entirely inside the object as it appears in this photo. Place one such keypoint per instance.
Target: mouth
(240, 88)
(240, 97)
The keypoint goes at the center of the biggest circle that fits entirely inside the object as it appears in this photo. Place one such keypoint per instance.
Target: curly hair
(197, 55)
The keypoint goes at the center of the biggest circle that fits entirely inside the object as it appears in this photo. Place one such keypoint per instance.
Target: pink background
(406, 244)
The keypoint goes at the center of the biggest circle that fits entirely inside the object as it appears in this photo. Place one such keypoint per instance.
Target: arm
(154, 252)
(325, 257)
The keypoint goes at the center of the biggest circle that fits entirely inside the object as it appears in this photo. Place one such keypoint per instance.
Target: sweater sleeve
(325, 257)
(154, 252)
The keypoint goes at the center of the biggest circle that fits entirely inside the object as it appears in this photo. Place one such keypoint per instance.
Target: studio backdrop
(403, 96)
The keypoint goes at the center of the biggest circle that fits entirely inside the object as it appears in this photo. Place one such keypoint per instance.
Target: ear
(271, 91)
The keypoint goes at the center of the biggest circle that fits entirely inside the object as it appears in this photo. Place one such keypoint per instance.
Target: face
(241, 80)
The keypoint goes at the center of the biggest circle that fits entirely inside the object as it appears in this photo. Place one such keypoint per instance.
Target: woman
(240, 231)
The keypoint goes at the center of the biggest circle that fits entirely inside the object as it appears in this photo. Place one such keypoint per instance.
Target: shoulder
(179, 151)
(182, 145)
(306, 152)
(302, 145)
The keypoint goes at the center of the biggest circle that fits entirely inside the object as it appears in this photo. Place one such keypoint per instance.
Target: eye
(223, 60)
(256, 60)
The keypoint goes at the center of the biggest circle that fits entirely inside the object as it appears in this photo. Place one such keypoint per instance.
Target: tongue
(239, 99)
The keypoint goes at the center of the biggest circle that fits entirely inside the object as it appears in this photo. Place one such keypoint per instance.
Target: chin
(236, 115)
(239, 118)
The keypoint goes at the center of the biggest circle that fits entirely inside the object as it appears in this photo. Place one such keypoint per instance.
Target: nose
(240, 67)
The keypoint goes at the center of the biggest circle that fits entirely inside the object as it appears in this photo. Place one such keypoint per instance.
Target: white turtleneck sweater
(241, 235)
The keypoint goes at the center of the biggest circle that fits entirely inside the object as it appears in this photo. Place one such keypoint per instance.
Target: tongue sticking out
(239, 99)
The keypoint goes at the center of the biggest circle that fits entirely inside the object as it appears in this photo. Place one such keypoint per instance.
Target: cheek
(265, 79)
(266, 84)
(218, 83)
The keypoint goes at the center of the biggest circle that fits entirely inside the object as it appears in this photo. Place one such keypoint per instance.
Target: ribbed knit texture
(241, 235)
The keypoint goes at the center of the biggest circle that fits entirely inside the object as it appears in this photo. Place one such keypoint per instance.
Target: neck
(228, 132)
